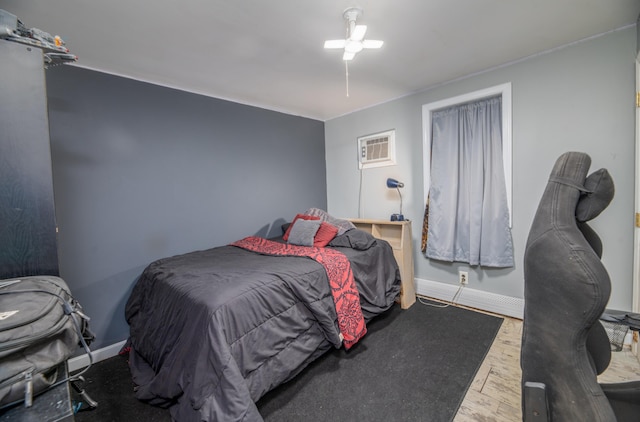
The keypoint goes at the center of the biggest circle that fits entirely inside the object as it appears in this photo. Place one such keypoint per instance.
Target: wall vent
(377, 150)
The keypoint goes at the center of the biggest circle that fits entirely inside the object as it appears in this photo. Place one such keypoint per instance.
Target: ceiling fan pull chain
(346, 68)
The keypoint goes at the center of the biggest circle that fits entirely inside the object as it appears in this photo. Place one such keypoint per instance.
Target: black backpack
(41, 326)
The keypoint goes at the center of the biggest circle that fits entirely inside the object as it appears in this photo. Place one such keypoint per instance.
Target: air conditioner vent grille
(377, 150)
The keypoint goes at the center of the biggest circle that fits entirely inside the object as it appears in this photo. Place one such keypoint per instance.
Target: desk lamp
(393, 183)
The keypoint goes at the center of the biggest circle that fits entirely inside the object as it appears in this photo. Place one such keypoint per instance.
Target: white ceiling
(269, 53)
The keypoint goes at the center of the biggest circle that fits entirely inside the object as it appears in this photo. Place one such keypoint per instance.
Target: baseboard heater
(478, 299)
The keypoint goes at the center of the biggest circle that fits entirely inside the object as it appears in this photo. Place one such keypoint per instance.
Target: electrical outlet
(463, 277)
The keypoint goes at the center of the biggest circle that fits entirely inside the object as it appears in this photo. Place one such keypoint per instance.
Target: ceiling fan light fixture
(372, 43)
(354, 42)
(348, 56)
(357, 34)
(334, 43)
(353, 47)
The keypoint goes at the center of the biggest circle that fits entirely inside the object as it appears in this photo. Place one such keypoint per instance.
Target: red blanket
(338, 268)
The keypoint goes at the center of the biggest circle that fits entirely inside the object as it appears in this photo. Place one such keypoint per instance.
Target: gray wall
(578, 98)
(142, 172)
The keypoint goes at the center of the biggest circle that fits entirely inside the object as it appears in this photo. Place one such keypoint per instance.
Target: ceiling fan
(355, 42)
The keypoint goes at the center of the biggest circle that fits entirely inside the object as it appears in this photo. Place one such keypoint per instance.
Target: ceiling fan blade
(335, 43)
(372, 43)
(348, 56)
(358, 32)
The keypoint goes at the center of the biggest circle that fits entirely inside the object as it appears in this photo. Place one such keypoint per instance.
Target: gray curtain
(468, 213)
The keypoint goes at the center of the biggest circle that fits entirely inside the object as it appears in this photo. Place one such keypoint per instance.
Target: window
(467, 170)
(505, 91)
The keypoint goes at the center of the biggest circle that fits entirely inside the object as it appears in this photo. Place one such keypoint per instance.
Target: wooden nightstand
(398, 234)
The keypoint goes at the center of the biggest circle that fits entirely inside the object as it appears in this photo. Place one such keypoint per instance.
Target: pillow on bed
(342, 225)
(325, 234)
(303, 231)
(285, 236)
(354, 239)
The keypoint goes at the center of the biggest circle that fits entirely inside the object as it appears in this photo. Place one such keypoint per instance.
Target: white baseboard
(82, 361)
(490, 302)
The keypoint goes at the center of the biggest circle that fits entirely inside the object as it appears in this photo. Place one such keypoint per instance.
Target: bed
(212, 331)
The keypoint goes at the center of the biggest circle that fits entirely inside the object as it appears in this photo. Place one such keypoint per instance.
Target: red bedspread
(343, 287)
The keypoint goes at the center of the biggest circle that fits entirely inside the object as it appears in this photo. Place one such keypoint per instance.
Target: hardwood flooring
(494, 395)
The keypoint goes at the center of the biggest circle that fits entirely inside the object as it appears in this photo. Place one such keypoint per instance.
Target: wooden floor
(494, 394)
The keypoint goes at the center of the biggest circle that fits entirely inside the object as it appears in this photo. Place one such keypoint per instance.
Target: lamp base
(397, 217)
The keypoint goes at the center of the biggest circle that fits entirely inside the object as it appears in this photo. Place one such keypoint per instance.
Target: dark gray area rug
(413, 365)
(109, 383)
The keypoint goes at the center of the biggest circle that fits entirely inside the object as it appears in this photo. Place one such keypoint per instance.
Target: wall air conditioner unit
(377, 150)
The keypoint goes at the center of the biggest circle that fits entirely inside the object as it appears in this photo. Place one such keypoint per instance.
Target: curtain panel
(468, 217)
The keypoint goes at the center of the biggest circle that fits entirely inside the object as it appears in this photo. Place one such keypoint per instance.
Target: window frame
(504, 90)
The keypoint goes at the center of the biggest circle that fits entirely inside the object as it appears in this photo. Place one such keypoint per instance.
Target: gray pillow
(355, 239)
(303, 232)
(341, 224)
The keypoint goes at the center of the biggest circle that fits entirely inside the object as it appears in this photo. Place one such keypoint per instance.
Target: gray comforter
(212, 331)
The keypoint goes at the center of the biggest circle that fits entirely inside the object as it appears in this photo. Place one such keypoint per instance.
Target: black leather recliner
(564, 345)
